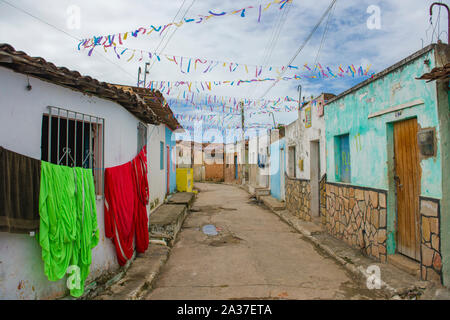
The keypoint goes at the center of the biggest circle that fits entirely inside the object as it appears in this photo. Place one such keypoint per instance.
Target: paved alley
(254, 255)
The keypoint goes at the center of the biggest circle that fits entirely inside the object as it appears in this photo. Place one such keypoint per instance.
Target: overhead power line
(302, 46)
(64, 32)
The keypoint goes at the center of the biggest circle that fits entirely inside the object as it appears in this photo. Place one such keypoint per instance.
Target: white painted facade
(156, 176)
(301, 137)
(21, 112)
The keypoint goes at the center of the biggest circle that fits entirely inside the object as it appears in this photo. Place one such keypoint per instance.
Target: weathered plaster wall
(21, 267)
(315, 133)
(156, 175)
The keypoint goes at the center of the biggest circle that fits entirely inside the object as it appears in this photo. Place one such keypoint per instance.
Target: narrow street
(254, 255)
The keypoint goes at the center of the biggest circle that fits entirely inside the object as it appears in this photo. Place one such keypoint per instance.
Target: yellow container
(185, 179)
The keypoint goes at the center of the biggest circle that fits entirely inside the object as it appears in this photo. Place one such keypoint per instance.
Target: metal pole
(75, 140)
(57, 154)
(139, 76)
(67, 138)
(448, 17)
(146, 72)
(103, 156)
(243, 142)
(49, 159)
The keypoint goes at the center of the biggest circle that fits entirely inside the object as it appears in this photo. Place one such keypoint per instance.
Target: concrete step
(167, 221)
(404, 263)
(139, 277)
(185, 198)
(272, 203)
(262, 192)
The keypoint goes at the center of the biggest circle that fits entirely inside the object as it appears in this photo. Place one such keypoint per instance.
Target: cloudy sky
(404, 28)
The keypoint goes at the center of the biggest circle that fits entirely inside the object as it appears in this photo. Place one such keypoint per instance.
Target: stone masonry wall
(431, 264)
(298, 197)
(323, 198)
(358, 216)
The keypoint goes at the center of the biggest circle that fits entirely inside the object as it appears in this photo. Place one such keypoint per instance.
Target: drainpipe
(448, 17)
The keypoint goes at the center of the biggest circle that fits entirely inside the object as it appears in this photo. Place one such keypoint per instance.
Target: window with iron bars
(74, 139)
(142, 136)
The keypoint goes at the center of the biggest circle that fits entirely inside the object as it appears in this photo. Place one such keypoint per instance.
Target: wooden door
(407, 179)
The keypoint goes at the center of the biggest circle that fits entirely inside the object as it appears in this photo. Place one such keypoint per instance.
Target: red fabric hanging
(120, 204)
(126, 197)
(142, 197)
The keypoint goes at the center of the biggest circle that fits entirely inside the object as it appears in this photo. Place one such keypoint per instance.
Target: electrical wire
(302, 46)
(172, 34)
(272, 42)
(64, 32)
(324, 34)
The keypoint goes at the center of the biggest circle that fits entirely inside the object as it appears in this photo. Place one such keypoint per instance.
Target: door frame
(314, 172)
(168, 169)
(392, 203)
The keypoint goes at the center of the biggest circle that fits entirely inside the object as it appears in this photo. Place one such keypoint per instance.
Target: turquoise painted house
(171, 166)
(277, 169)
(387, 152)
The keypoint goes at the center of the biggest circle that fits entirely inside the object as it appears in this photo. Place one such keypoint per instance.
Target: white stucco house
(92, 124)
(306, 155)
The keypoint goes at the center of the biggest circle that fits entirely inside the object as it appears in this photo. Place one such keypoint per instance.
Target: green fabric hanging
(68, 223)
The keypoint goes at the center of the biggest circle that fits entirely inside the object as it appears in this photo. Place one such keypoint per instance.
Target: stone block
(383, 218)
(427, 256)
(351, 203)
(382, 200)
(426, 229)
(437, 263)
(429, 208)
(351, 193)
(375, 251)
(435, 242)
(359, 194)
(373, 196)
(362, 206)
(434, 225)
(366, 197)
(381, 235)
(375, 218)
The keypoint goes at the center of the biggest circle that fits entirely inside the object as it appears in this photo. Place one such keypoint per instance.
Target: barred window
(74, 139)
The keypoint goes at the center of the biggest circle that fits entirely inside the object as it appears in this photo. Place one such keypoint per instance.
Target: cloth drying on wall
(120, 203)
(262, 160)
(126, 197)
(142, 197)
(68, 223)
(19, 192)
